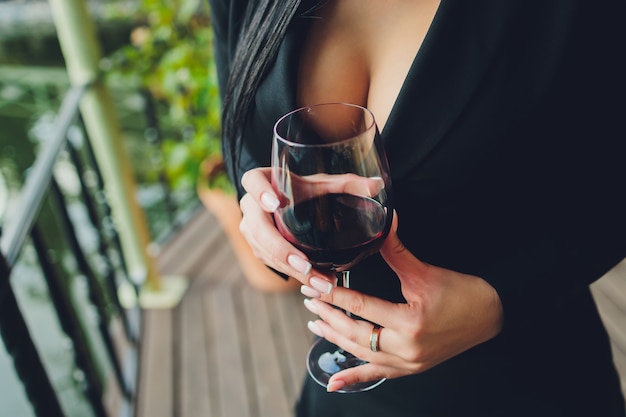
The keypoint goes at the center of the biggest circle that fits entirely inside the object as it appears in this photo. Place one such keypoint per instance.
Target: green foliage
(170, 55)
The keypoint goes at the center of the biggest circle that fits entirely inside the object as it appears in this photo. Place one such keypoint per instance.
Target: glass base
(326, 359)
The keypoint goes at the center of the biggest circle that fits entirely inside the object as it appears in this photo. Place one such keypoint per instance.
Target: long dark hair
(264, 27)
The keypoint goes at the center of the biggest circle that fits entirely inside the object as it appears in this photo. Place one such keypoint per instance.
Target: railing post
(81, 50)
(16, 337)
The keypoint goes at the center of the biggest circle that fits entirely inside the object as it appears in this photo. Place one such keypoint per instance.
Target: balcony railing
(102, 335)
(75, 267)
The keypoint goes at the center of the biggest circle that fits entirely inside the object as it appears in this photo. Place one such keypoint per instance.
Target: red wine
(335, 230)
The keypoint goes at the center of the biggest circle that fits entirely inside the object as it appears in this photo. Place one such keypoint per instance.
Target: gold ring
(375, 338)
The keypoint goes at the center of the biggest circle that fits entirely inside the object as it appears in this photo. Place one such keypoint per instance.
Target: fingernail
(309, 292)
(310, 306)
(299, 264)
(314, 328)
(378, 184)
(321, 285)
(335, 385)
(270, 202)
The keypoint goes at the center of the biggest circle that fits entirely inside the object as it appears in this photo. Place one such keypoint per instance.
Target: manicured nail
(335, 385)
(310, 306)
(313, 327)
(321, 285)
(270, 202)
(309, 292)
(299, 264)
(377, 184)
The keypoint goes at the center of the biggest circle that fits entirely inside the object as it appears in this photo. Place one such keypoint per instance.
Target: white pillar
(81, 50)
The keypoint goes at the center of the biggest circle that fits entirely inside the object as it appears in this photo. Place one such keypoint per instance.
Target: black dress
(507, 145)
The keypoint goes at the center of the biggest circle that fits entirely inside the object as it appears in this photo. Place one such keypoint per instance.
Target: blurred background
(155, 58)
(126, 288)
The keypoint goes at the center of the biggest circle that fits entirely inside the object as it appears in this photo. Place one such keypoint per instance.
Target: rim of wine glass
(323, 145)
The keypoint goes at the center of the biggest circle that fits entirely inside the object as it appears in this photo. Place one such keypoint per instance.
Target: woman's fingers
(257, 184)
(373, 309)
(338, 327)
(362, 373)
(354, 335)
(340, 183)
(268, 244)
(257, 226)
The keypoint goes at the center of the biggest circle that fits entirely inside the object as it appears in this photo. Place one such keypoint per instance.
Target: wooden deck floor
(229, 350)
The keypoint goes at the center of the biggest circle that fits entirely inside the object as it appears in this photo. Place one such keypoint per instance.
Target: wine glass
(331, 175)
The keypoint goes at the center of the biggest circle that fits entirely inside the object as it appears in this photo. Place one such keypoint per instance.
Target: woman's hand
(266, 242)
(446, 313)
(257, 225)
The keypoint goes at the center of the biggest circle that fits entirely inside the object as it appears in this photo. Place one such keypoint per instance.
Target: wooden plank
(612, 317)
(126, 353)
(223, 336)
(177, 244)
(187, 254)
(614, 326)
(211, 340)
(155, 392)
(193, 386)
(266, 355)
(610, 295)
(296, 340)
(219, 262)
(114, 401)
(613, 285)
(620, 364)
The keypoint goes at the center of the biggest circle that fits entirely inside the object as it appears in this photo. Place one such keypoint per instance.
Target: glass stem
(344, 277)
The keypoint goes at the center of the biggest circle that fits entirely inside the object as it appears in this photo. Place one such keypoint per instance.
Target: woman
(502, 124)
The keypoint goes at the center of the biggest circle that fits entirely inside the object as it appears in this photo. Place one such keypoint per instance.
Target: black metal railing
(43, 201)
